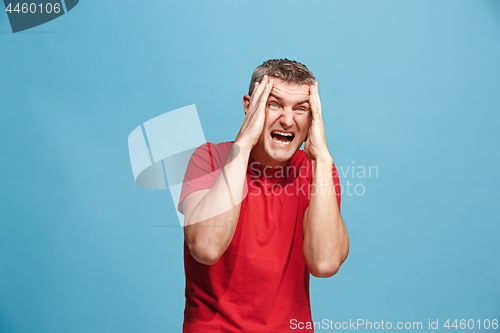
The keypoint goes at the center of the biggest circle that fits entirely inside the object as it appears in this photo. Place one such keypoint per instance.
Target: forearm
(210, 226)
(326, 243)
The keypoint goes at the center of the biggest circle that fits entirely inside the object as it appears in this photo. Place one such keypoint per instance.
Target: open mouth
(282, 137)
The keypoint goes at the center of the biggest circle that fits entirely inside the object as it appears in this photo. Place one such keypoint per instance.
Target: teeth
(283, 133)
(282, 142)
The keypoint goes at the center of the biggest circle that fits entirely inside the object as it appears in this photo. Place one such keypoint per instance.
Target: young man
(261, 214)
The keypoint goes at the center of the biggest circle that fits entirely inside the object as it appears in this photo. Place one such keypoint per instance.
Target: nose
(286, 118)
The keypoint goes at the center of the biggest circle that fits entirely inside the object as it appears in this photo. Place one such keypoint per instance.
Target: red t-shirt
(261, 282)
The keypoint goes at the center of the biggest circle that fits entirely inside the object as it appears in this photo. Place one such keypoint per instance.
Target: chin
(281, 158)
(281, 155)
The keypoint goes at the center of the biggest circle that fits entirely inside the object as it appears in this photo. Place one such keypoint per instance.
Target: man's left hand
(315, 147)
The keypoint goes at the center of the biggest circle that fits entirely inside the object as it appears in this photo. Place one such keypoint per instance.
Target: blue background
(411, 87)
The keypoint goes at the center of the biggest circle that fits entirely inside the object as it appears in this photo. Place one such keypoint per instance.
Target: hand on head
(255, 110)
(315, 146)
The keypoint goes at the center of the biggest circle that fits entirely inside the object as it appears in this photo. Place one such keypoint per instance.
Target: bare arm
(326, 243)
(211, 215)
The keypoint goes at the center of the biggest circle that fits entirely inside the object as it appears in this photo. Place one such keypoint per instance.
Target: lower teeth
(283, 142)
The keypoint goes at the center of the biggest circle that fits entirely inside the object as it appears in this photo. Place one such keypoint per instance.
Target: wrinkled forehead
(289, 91)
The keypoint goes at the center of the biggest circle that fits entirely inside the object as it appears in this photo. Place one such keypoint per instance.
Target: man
(261, 214)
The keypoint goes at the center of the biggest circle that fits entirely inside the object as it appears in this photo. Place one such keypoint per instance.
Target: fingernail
(267, 86)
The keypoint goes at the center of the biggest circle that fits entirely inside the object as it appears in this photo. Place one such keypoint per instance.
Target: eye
(273, 105)
(301, 109)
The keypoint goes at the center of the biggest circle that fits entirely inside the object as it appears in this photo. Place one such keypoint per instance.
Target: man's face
(286, 125)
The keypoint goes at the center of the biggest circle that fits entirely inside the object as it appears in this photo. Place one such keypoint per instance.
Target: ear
(246, 102)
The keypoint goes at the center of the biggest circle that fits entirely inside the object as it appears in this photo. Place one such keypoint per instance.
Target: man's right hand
(253, 124)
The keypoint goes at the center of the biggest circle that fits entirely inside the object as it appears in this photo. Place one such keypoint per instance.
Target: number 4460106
(33, 8)
(469, 324)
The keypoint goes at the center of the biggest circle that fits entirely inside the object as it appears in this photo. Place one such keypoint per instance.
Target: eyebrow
(279, 98)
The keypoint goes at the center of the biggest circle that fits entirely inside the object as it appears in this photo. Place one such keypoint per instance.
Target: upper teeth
(283, 133)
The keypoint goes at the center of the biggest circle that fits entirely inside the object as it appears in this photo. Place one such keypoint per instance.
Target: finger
(258, 91)
(317, 96)
(252, 96)
(314, 100)
(265, 94)
(316, 89)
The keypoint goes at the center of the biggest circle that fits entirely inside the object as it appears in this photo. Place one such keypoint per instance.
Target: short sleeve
(201, 172)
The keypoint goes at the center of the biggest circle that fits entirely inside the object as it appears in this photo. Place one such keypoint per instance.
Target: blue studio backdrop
(410, 95)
